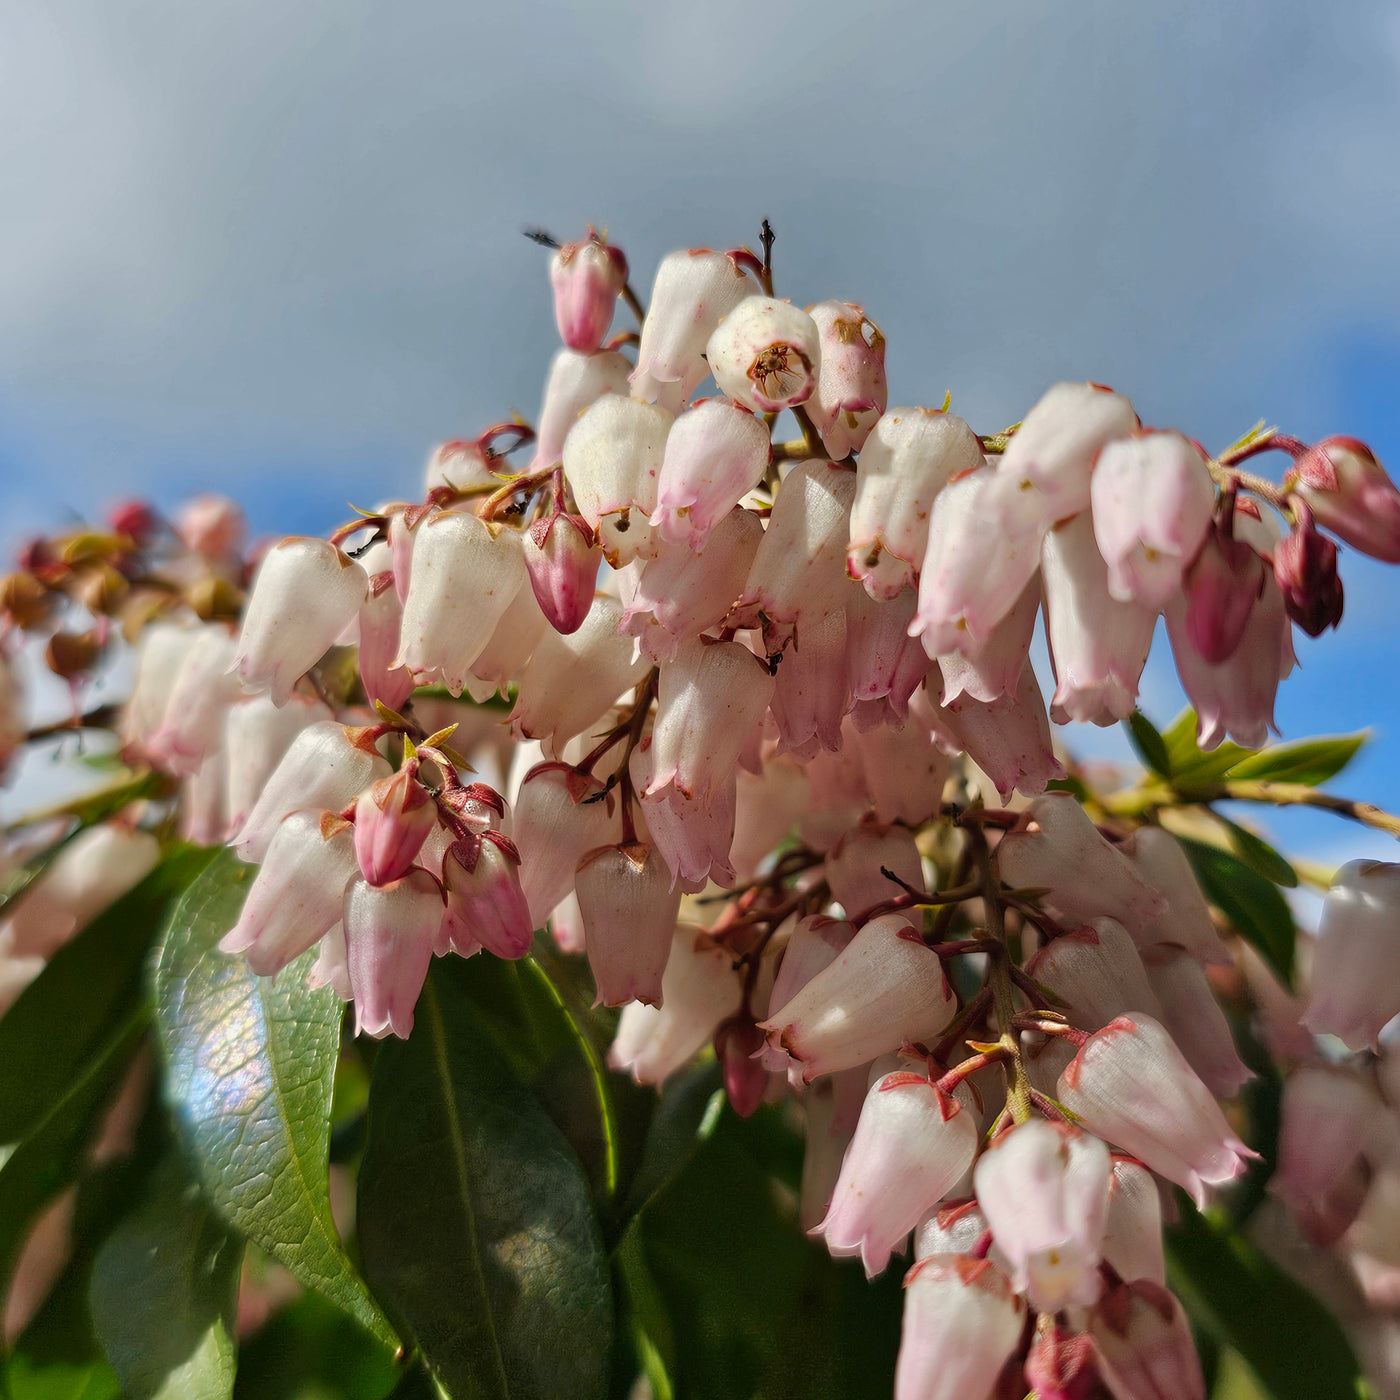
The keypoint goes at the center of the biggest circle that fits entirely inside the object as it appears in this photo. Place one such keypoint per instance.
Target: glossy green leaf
(1190, 764)
(251, 1065)
(1148, 743)
(475, 1222)
(1310, 761)
(88, 986)
(164, 1294)
(1258, 854)
(1252, 904)
(686, 1113)
(1292, 1344)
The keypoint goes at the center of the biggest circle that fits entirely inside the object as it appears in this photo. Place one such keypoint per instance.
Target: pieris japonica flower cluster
(751, 723)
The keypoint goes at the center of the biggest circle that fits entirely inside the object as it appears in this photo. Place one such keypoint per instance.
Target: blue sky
(273, 248)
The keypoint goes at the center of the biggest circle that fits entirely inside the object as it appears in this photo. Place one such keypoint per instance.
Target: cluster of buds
(745, 709)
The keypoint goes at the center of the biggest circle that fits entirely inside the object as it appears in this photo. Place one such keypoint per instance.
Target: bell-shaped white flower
(576, 380)
(1095, 969)
(1144, 1345)
(305, 594)
(193, 723)
(512, 643)
(381, 616)
(462, 465)
(813, 693)
(884, 664)
(1195, 1019)
(903, 770)
(766, 354)
(389, 935)
(855, 866)
(692, 835)
(1185, 917)
(257, 732)
(160, 653)
(629, 912)
(911, 455)
(993, 671)
(559, 815)
(851, 390)
(1132, 1236)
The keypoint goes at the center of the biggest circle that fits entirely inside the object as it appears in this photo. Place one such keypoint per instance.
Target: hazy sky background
(273, 248)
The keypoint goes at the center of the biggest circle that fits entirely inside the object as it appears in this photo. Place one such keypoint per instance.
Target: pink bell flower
(681, 593)
(212, 526)
(813, 945)
(389, 936)
(485, 903)
(298, 894)
(1153, 499)
(380, 618)
(193, 723)
(326, 766)
(1051, 457)
(1195, 1020)
(716, 453)
(911, 455)
(575, 382)
(854, 866)
(832, 1108)
(737, 1041)
(587, 277)
(1057, 847)
(903, 770)
(465, 575)
(1185, 918)
(851, 390)
(911, 1144)
(160, 653)
(629, 910)
(1044, 1189)
(767, 807)
(256, 735)
(699, 989)
(393, 817)
(1144, 1345)
(1351, 495)
(1132, 1236)
(1355, 970)
(1305, 569)
(555, 823)
(1096, 969)
(883, 662)
(693, 290)
(812, 694)
(1098, 645)
(962, 1321)
(1220, 590)
(612, 459)
(955, 1227)
(512, 643)
(766, 354)
(1131, 1085)
(885, 988)
(305, 594)
(562, 558)
(993, 671)
(692, 834)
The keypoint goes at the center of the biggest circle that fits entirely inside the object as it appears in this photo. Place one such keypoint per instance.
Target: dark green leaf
(689, 1106)
(1252, 904)
(1259, 855)
(28, 1379)
(1294, 1346)
(1190, 764)
(474, 1216)
(1149, 743)
(251, 1064)
(1310, 761)
(88, 986)
(164, 1294)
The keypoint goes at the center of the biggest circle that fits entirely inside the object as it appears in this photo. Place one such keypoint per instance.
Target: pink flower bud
(298, 893)
(1060, 1364)
(1355, 970)
(1185, 919)
(884, 989)
(193, 723)
(1328, 1122)
(812, 694)
(716, 453)
(1153, 499)
(962, 1321)
(393, 817)
(851, 391)
(1144, 1345)
(680, 593)
(854, 866)
(485, 903)
(380, 618)
(766, 354)
(257, 733)
(93, 870)
(555, 823)
(737, 1041)
(1132, 1238)
(629, 916)
(912, 1143)
(570, 682)
(212, 526)
(975, 567)
(699, 989)
(1044, 1189)
(305, 594)
(694, 289)
(465, 575)
(911, 455)
(1221, 589)
(1305, 569)
(588, 277)
(575, 382)
(136, 519)
(993, 671)
(708, 701)
(1059, 849)
(800, 569)
(562, 561)
(1098, 646)
(884, 664)
(160, 654)
(1351, 495)
(325, 766)
(1096, 969)
(1052, 454)
(389, 934)
(1191, 1013)
(1131, 1085)
(692, 835)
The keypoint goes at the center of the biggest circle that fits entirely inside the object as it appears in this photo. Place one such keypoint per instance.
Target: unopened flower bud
(393, 817)
(389, 935)
(485, 904)
(71, 655)
(766, 354)
(587, 276)
(851, 390)
(1305, 568)
(737, 1041)
(629, 915)
(1144, 1345)
(212, 526)
(1222, 587)
(562, 560)
(1351, 495)
(137, 520)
